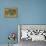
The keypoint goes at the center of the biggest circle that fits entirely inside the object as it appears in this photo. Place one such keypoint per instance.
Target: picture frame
(10, 12)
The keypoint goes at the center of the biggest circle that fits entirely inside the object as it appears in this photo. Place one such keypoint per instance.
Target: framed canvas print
(10, 12)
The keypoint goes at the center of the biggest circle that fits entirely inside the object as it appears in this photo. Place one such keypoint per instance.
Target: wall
(29, 12)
